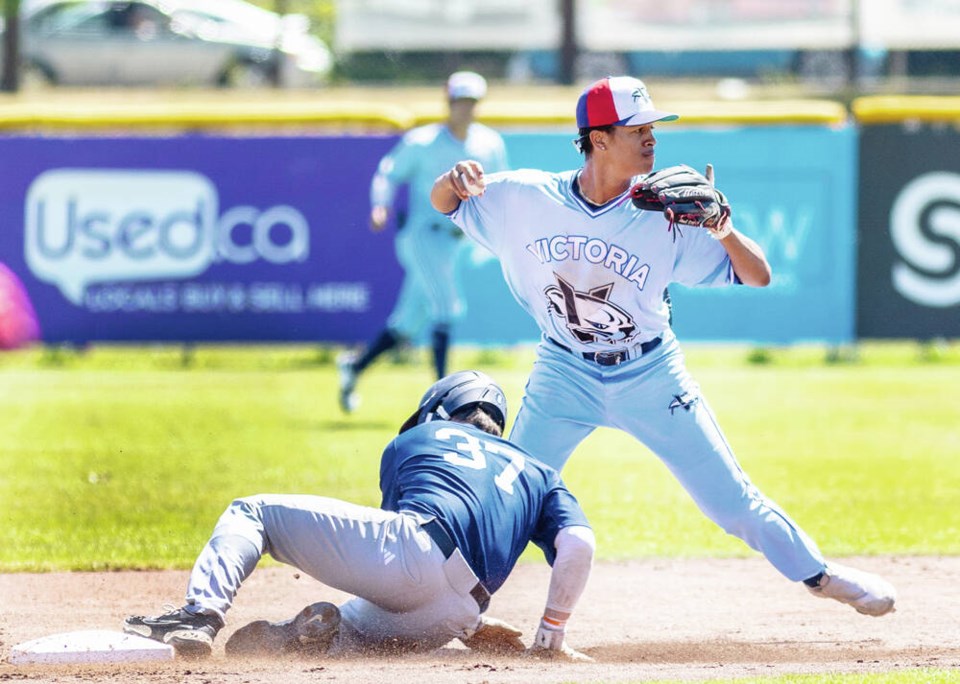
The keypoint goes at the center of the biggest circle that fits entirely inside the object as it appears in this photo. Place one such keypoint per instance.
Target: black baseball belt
(613, 358)
(447, 546)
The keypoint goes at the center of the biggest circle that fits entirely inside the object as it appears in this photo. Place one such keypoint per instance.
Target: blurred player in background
(428, 245)
(591, 268)
(459, 506)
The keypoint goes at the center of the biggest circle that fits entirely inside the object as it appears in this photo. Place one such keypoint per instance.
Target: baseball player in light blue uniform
(427, 244)
(459, 506)
(591, 269)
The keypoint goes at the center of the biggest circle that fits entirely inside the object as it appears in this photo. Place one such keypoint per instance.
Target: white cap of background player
(466, 85)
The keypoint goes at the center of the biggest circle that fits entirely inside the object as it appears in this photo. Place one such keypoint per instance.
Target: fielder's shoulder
(486, 133)
(422, 135)
(529, 176)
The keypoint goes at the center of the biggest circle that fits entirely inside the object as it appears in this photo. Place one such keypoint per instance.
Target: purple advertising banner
(197, 238)
(219, 239)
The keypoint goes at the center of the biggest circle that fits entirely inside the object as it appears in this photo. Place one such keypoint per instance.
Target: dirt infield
(641, 620)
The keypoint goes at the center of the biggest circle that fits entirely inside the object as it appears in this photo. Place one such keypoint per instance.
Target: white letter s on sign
(929, 273)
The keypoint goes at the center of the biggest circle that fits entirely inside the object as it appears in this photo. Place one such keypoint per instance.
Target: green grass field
(124, 457)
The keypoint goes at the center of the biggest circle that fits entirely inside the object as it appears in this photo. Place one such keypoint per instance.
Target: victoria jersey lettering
(593, 277)
(489, 494)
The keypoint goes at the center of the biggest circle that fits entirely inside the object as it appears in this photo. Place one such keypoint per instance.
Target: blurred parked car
(167, 42)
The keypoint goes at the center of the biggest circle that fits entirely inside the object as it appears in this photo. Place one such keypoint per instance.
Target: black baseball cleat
(190, 634)
(309, 633)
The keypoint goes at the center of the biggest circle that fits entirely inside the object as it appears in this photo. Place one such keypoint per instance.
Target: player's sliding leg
(190, 633)
(311, 632)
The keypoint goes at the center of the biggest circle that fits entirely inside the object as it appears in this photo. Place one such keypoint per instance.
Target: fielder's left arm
(688, 197)
(746, 256)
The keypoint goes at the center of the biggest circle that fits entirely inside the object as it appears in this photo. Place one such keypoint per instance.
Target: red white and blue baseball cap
(618, 101)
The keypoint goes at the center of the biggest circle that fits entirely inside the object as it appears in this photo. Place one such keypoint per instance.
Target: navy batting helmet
(459, 390)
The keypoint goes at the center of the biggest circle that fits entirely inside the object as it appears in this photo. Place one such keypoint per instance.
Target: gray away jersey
(592, 277)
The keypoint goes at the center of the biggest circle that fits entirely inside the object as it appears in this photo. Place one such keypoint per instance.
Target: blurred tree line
(321, 13)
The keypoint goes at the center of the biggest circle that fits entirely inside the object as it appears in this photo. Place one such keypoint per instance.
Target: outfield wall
(208, 237)
(908, 279)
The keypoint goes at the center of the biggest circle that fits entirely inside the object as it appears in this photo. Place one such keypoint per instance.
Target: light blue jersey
(593, 278)
(428, 243)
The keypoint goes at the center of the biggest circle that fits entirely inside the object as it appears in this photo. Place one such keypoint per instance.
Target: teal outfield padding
(792, 188)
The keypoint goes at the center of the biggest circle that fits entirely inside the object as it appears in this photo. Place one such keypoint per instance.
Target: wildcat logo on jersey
(590, 316)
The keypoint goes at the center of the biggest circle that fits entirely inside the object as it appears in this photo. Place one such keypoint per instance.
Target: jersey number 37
(472, 453)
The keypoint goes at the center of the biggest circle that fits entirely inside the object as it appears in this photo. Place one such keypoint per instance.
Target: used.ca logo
(88, 226)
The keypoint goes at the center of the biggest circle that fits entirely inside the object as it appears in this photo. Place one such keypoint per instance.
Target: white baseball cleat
(868, 593)
(349, 401)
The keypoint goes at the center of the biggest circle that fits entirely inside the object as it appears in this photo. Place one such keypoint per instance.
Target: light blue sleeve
(396, 168)
(701, 261)
(481, 217)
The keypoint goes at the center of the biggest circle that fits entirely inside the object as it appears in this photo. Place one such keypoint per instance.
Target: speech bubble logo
(86, 226)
